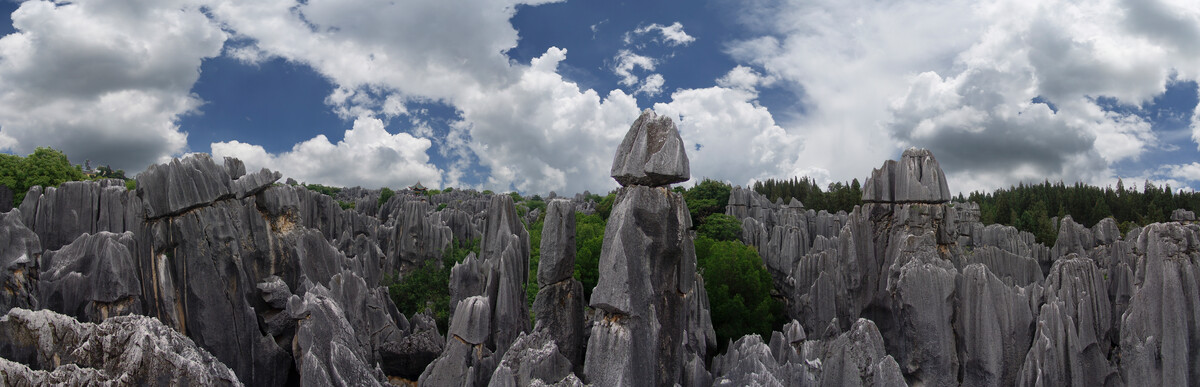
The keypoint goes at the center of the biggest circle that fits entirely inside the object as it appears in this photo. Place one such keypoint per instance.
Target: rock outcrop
(652, 153)
(645, 330)
(44, 347)
(1160, 332)
(915, 178)
(19, 252)
(559, 303)
(94, 278)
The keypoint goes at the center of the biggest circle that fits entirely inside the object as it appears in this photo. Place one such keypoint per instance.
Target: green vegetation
(106, 172)
(739, 290)
(45, 167)
(735, 278)
(706, 198)
(589, 238)
(385, 194)
(720, 227)
(1031, 207)
(327, 190)
(345, 205)
(428, 287)
(837, 196)
(131, 184)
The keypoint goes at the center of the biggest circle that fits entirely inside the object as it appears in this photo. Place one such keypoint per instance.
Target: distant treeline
(836, 197)
(1031, 208)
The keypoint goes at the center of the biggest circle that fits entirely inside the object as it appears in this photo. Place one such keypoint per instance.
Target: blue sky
(535, 95)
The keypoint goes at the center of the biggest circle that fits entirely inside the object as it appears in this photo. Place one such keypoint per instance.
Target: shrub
(385, 194)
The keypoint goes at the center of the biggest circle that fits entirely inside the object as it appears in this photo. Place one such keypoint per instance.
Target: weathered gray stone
(252, 184)
(646, 273)
(531, 357)
(559, 311)
(19, 252)
(93, 278)
(125, 350)
(1070, 345)
(472, 321)
(1160, 333)
(854, 358)
(60, 214)
(915, 178)
(557, 261)
(1182, 215)
(326, 349)
(993, 325)
(181, 185)
(924, 287)
(652, 153)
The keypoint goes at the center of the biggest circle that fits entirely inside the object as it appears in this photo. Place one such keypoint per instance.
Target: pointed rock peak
(652, 153)
(915, 178)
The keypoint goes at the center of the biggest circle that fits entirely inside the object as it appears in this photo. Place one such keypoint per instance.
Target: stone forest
(204, 273)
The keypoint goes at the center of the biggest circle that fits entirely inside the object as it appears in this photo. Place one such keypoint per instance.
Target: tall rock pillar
(651, 316)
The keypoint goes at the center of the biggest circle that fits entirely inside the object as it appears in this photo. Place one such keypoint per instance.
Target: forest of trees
(1033, 207)
(836, 197)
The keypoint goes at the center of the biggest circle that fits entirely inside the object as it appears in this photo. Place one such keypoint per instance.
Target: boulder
(44, 347)
(652, 153)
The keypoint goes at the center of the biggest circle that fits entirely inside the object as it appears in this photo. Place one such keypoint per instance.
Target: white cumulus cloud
(103, 80)
(367, 155)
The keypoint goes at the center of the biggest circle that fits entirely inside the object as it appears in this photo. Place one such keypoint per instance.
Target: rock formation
(44, 347)
(652, 153)
(206, 274)
(645, 330)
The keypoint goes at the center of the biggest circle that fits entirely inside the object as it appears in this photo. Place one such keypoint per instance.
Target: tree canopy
(44, 167)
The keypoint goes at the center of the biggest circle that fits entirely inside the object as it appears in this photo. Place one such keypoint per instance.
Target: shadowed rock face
(652, 153)
(19, 251)
(94, 277)
(43, 347)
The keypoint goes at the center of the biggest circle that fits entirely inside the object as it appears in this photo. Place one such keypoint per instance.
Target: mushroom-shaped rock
(916, 178)
(652, 153)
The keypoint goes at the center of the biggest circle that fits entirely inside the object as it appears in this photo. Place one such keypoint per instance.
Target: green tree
(706, 198)
(385, 194)
(429, 285)
(739, 290)
(589, 239)
(44, 167)
(720, 227)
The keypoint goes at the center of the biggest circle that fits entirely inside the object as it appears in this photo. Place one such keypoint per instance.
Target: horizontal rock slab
(652, 153)
(182, 184)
